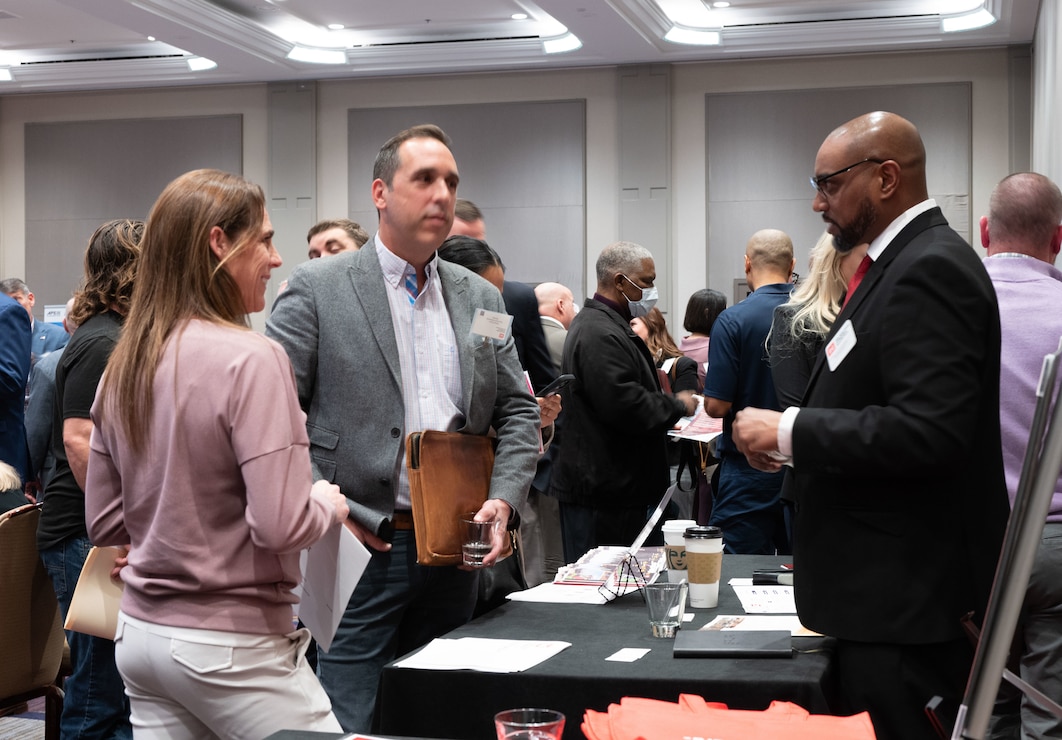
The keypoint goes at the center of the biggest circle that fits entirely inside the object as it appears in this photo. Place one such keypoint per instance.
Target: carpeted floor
(26, 726)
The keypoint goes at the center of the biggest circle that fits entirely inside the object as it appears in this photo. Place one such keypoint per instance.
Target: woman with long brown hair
(677, 372)
(200, 464)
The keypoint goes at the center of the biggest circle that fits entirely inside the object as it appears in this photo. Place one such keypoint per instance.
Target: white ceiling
(52, 45)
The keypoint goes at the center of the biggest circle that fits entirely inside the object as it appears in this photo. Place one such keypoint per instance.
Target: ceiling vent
(820, 21)
(102, 59)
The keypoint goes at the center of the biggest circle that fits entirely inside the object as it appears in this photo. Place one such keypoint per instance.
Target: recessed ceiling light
(201, 64)
(561, 44)
(317, 56)
(692, 36)
(151, 38)
(519, 16)
(336, 26)
(968, 22)
(721, 5)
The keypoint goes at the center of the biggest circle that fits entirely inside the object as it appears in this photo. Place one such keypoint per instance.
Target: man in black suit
(520, 303)
(900, 499)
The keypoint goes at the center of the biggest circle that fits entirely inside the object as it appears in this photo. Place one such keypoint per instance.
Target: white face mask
(643, 306)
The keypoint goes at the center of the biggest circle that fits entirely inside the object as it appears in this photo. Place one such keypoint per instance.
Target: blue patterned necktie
(411, 285)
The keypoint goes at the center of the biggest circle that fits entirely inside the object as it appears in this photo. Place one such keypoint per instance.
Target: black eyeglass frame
(818, 182)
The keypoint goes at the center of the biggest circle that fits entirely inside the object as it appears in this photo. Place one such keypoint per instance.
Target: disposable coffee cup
(704, 563)
(675, 547)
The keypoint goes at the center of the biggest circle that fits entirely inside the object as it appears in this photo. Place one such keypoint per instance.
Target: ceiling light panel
(769, 12)
(967, 21)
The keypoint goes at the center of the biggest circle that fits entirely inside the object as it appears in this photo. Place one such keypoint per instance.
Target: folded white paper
(560, 593)
(331, 568)
(97, 596)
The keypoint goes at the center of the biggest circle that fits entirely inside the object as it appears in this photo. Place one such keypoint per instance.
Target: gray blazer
(334, 321)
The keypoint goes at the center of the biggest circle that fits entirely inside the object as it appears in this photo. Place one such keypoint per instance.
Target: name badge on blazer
(840, 345)
(492, 325)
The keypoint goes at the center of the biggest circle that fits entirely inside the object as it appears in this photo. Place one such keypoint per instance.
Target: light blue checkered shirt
(427, 353)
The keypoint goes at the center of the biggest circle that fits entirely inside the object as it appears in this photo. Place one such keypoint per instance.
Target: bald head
(768, 258)
(1024, 213)
(869, 171)
(68, 324)
(556, 301)
(882, 135)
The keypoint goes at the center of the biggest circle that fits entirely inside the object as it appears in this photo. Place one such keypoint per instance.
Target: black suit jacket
(901, 501)
(613, 442)
(522, 305)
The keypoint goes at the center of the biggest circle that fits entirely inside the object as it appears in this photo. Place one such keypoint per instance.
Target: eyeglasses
(818, 182)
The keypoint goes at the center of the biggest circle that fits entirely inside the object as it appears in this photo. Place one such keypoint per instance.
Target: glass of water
(529, 724)
(478, 539)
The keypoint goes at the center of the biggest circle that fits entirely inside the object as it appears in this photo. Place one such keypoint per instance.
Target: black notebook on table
(733, 644)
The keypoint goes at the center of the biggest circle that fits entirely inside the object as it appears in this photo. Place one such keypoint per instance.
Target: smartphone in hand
(556, 386)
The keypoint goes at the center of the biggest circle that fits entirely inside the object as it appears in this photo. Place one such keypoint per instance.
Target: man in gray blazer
(383, 344)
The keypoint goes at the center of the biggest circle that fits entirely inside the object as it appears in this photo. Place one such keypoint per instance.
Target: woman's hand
(120, 562)
(330, 492)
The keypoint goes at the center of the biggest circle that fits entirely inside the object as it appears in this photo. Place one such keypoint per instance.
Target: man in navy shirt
(14, 369)
(46, 337)
(748, 505)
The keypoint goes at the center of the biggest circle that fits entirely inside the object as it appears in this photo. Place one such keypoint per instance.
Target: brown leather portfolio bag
(449, 475)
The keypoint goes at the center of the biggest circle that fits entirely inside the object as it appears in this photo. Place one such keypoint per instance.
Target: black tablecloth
(461, 704)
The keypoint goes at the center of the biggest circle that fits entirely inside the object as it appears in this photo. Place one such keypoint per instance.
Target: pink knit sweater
(217, 506)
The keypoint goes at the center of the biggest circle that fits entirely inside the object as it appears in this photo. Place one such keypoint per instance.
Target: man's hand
(493, 509)
(548, 409)
(365, 537)
(755, 433)
(689, 400)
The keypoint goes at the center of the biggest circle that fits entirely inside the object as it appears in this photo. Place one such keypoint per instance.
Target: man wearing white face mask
(747, 501)
(613, 466)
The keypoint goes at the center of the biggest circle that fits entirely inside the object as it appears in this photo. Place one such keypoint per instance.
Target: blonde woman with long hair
(800, 325)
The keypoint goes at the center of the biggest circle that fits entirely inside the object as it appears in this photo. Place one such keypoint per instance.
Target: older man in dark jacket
(613, 457)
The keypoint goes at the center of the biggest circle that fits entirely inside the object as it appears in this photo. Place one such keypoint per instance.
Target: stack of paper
(483, 654)
(605, 565)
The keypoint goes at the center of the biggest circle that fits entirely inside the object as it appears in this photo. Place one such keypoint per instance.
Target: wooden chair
(31, 627)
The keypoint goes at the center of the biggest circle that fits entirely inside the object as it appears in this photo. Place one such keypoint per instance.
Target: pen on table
(772, 579)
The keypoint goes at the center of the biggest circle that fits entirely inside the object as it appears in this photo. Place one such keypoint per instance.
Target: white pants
(194, 684)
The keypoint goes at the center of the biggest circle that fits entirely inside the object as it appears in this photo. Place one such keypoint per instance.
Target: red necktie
(857, 278)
